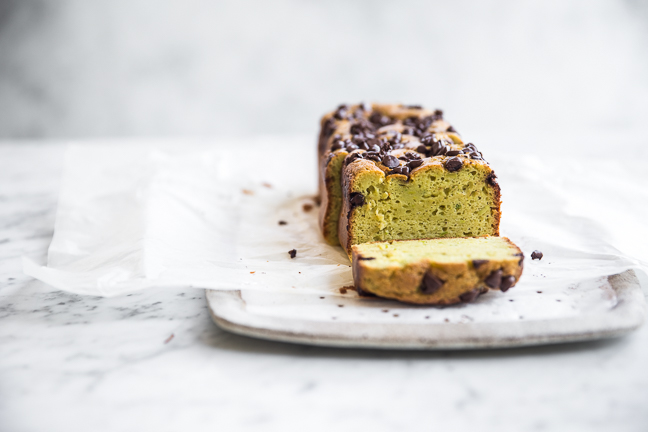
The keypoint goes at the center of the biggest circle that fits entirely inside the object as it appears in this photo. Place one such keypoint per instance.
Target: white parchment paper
(206, 215)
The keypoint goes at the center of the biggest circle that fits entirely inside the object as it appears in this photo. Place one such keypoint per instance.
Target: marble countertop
(155, 361)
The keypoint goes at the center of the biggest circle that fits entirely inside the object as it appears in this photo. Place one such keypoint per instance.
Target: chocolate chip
(492, 179)
(413, 155)
(390, 161)
(414, 164)
(283, 222)
(292, 253)
(475, 155)
(507, 282)
(453, 164)
(469, 296)
(361, 258)
(478, 262)
(413, 107)
(422, 149)
(407, 131)
(356, 199)
(351, 147)
(337, 145)
(454, 153)
(427, 139)
(380, 120)
(430, 283)
(494, 279)
(451, 129)
(375, 148)
(536, 254)
(439, 148)
(399, 170)
(352, 157)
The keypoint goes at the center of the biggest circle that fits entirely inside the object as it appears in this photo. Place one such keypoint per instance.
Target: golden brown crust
(462, 281)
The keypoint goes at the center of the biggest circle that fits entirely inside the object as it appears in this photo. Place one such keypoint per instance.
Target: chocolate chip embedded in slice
(479, 262)
(494, 279)
(292, 253)
(536, 254)
(453, 152)
(453, 164)
(492, 179)
(390, 161)
(469, 296)
(356, 199)
(430, 283)
(361, 258)
(507, 282)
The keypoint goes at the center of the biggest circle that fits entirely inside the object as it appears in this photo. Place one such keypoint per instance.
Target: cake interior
(432, 203)
(441, 251)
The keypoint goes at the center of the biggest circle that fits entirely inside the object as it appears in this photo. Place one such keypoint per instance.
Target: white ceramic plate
(596, 309)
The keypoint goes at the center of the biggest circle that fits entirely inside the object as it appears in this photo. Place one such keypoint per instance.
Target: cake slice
(436, 271)
(365, 128)
(403, 195)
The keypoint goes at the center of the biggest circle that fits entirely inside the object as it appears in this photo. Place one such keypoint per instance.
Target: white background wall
(78, 68)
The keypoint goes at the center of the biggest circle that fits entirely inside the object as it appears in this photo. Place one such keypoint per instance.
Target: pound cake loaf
(373, 132)
(436, 271)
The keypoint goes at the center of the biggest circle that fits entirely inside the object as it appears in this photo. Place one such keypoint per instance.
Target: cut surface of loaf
(436, 271)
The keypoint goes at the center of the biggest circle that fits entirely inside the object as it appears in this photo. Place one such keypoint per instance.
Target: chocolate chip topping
(536, 254)
(356, 199)
(439, 148)
(414, 163)
(380, 119)
(430, 283)
(453, 164)
(479, 262)
(352, 157)
(292, 253)
(399, 170)
(390, 161)
(453, 152)
(361, 258)
(494, 279)
(469, 296)
(507, 282)
(451, 129)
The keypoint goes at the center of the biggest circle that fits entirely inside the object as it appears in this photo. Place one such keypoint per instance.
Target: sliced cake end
(439, 271)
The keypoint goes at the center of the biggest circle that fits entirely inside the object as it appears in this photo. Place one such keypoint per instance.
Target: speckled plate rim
(228, 311)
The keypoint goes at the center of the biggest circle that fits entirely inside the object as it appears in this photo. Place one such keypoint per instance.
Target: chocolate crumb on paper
(307, 207)
(536, 254)
(283, 222)
(292, 253)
